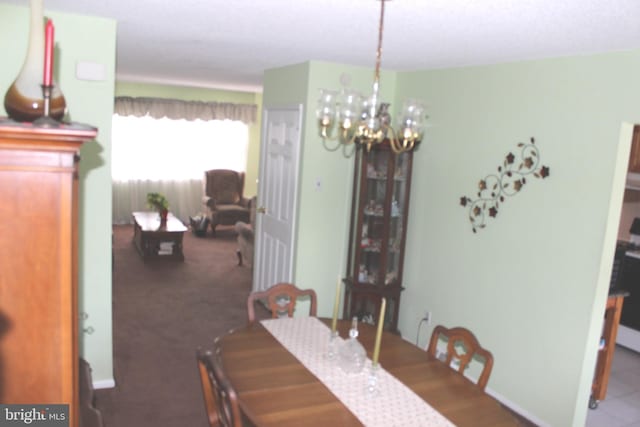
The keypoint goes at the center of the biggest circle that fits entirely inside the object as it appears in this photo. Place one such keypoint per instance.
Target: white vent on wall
(92, 71)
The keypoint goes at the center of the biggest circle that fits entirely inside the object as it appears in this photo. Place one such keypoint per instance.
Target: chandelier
(365, 121)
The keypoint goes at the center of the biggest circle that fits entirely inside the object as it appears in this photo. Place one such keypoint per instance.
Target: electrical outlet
(427, 317)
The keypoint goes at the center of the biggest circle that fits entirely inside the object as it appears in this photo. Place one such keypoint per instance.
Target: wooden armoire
(38, 263)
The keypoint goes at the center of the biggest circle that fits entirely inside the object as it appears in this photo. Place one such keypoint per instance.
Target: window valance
(189, 110)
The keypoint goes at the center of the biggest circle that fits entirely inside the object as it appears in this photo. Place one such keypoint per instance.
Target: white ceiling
(229, 43)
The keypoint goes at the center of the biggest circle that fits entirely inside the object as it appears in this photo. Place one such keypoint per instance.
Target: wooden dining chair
(220, 399)
(462, 347)
(281, 300)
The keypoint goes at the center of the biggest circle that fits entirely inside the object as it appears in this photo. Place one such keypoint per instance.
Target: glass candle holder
(332, 348)
(326, 111)
(372, 388)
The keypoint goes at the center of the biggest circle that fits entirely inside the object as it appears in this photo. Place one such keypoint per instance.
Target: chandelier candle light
(366, 121)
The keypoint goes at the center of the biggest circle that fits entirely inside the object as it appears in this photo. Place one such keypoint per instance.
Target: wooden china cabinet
(382, 182)
(38, 263)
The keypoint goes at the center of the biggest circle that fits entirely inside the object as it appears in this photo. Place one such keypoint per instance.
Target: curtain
(170, 157)
(189, 110)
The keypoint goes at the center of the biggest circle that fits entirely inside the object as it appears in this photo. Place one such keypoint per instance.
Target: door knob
(261, 210)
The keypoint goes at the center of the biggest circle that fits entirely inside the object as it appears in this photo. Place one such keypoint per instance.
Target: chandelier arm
(406, 143)
(346, 153)
(393, 141)
(396, 147)
(349, 139)
(327, 147)
(411, 143)
(325, 135)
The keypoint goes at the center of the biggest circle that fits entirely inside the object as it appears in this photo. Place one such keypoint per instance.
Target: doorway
(629, 239)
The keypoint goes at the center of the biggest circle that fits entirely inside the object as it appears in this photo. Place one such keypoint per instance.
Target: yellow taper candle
(376, 348)
(336, 305)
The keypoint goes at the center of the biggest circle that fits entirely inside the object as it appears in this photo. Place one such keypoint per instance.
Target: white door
(277, 191)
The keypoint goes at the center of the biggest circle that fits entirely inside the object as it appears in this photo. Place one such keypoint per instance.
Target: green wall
(81, 38)
(200, 94)
(319, 260)
(532, 284)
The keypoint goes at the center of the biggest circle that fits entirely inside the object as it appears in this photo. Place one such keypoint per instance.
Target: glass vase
(24, 100)
(164, 213)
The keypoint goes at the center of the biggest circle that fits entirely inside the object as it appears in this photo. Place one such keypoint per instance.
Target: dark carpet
(162, 311)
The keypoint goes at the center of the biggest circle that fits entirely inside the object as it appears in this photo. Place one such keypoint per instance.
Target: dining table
(274, 388)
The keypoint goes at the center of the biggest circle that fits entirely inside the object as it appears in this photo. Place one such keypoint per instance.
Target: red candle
(48, 54)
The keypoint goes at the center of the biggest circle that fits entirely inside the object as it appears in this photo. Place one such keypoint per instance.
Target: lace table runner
(395, 404)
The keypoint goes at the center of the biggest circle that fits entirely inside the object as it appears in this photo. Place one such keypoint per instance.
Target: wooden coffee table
(155, 240)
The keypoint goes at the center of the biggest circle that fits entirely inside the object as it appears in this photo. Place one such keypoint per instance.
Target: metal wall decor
(509, 180)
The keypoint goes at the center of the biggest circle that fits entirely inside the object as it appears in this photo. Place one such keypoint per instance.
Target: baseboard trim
(110, 383)
(515, 408)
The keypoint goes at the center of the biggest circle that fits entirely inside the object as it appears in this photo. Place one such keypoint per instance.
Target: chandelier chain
(379, 50)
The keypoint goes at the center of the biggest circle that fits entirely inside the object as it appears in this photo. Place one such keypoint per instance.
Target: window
(145, 148)
(170, 156)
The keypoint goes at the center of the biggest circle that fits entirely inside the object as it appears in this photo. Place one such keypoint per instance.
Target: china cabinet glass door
(378, 232)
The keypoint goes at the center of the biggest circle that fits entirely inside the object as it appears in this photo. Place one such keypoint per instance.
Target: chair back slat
(281, 300)
(462, 347)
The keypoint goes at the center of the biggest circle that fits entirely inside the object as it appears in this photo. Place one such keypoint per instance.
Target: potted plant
(160, 203)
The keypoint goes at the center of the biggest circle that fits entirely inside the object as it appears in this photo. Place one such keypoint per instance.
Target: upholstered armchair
(224, 197)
